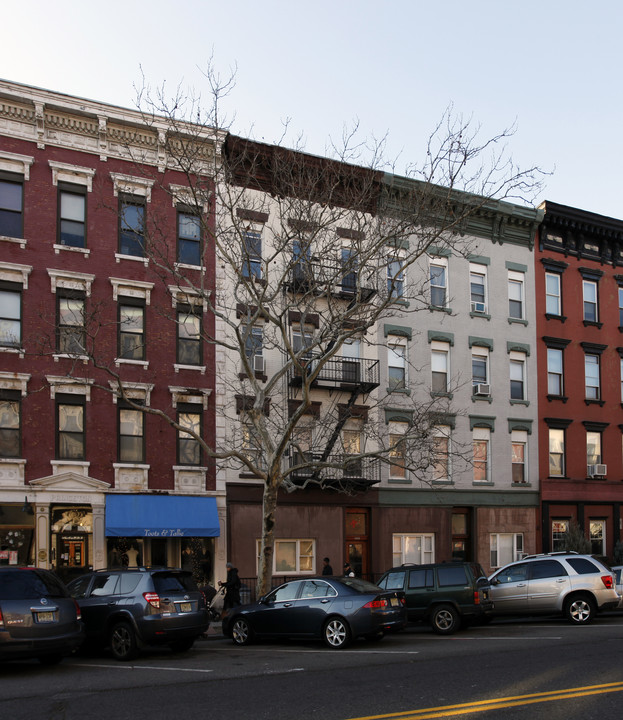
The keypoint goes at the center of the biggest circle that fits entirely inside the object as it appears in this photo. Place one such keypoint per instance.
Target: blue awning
(161, 516)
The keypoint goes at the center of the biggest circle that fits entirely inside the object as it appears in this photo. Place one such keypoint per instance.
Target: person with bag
(232, 587)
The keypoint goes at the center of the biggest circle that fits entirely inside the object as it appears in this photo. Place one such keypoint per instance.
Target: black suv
(444, 594)
(125, 609)
(38, 617)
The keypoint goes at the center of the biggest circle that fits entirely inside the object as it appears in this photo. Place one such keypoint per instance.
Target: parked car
(617, 571)
(334, 609)
(446, 595)
(38, 617)
(129, 608)
(577, 586)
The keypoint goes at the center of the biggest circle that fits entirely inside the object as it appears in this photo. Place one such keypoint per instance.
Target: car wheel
(445, 620)
(241, 632)
(182, 645)
(580, 609)
(336, 633)
(50, 659)
(123, 641)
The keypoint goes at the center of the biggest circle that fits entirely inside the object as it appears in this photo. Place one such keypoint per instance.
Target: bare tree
(310, 254)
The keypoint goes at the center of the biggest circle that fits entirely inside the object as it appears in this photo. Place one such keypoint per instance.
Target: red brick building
(93, 230)
(579, 300)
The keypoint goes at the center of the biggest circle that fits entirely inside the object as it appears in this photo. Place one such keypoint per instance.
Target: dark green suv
(446, 595)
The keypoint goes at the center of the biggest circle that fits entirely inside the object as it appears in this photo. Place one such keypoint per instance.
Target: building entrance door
(356, 535)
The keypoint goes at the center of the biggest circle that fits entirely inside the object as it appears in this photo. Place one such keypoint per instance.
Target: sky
(552, 68)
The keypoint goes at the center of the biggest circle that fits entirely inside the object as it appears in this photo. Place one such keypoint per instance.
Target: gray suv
(126, 609)
(577, 586)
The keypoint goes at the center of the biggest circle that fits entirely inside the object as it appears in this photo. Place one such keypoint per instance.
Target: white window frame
(440, 351)
(442, 431)
(597, 533)
(559, 432)
(559, 529)
(395, 276)
(592, 391)
(482, 435)
(439, 263)
(397, 450)
(479, 271)
(520, 437)
(551, 373)
(517, 279)
(301, 559)
(481, 353)
(594, 440)
(518, 360)
(397, 358)
(418, 548)
(553, 295)
(511, 551)
(588, 300)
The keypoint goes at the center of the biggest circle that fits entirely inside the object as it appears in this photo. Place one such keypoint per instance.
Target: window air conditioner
(597, 470)
(481, 389)
(258, 363)
(478, 307)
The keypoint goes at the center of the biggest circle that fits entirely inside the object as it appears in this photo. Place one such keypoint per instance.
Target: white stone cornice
(71, 280)
(12, 162)
(132, 184)
(64, 172)
(131, 288)
(198, 396)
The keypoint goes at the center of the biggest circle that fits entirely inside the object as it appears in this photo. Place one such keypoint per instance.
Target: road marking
(141, 667)
(446, 711)
(358, 652)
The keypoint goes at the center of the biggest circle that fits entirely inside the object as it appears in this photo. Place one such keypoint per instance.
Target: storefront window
(16, 536)
(197, 557)
(72, 532)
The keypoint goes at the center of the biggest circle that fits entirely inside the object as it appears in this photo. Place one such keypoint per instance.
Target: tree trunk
(267, 548)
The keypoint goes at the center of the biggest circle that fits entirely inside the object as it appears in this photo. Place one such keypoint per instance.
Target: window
(438, 283)
(554, 372)
(620, 306)
(10, 424)
(251, 443)
(11, 205)
(131, 330)
(188, 238)
(350, 264)
(72, 215)
(131, 227)
(598, 537)
(478, 288)
(302, 267)
(556, 452)
(518, 376)
(131, 435)
(481, 455)
(188, 447)
(70, 428)
(417, 549)
(480, 366)
(71, 330)
(589, 294)
(559, 534)
(553, 304)
(593, 448)
(292, 556)
(189, 348)
(351, 445)
(441, 453)
(591, 374)
(439, 360)
(396, 364)
(351, 365)
(518, 457)
(254, 343)
(516, 295)
(252, 254)
(397, 450)
(395, 278)
(505, 548)
(10, 314)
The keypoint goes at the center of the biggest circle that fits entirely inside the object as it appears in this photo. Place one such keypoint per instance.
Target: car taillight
(379, 603)
(78, 611)
(152, 598)
(607, 581)
(476, 598)
(1, 620)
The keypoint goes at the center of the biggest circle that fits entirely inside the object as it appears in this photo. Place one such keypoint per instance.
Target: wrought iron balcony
(342, 372)
(320, 278)
(351, 472)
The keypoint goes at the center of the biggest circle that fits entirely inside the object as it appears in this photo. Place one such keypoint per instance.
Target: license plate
(44, 617)
(185, 607)
(395, 601)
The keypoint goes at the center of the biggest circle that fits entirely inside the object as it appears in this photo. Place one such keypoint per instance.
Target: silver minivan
(577, 586)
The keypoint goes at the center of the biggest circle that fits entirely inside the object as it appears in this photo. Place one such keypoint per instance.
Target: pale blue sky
(553, 66)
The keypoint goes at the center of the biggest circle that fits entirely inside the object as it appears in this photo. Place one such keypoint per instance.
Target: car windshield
(29, 585)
